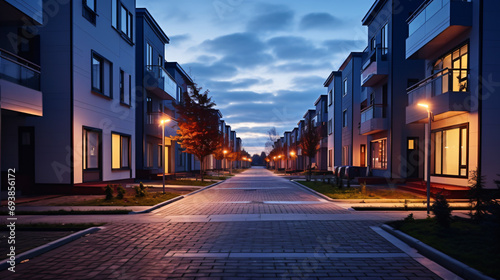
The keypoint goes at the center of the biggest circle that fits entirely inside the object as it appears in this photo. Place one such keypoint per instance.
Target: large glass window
(126, 22)
(120, 145)
(91, 149)
(101, 75)
(385, 39)
(379, 154)
(330, 97)
(450, 151)
(344, 118)
(125, 88)
(456, 70)
(149, 57)
(96, 73)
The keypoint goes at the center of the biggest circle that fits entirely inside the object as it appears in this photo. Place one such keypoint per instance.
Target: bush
(121, 192)
(409, 219)
(442, 210)
(478, 197)
(108, 190)
(141, 190)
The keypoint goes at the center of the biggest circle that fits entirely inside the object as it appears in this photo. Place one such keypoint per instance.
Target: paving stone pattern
(292, 249)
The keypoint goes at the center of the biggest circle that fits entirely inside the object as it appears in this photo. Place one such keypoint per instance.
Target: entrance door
(92, 155)
(412, 158)
(26, 152)
(362, 155)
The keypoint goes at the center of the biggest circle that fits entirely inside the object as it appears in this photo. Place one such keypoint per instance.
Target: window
(330, 157)
(385, 39)
(91, 149)
(345, 86)
(125, 88)
(126, 22)
(89, 10)
(149, 57)
(330, 127)
(149, 155)
(379, 154)
(160, 61)
(344, 118)
(101, 75)
(330, 97)
(114, 13)
(450, 151)
(456, 77)
(160, 157)
(120, 149)
(373, 43)
(345, 155)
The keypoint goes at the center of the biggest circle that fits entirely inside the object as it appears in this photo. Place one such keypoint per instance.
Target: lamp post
(163, 123)
(274, 158)
(292, 155)
(428, 151)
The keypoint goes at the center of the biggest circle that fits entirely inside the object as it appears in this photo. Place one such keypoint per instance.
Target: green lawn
(151, 199)
(476, 245)
(356, 193)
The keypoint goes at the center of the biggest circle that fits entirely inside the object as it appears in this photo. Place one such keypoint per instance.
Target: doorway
(362, 155)
(412, 158)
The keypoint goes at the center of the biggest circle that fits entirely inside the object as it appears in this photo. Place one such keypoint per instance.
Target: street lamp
(292, 155)
(274, 158)
(428, 151)
(163, 123)
(224, 159)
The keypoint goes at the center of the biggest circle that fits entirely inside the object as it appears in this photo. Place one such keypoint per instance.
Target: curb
(313, 191)
(159, 205)
(4, 264)
(437, 256)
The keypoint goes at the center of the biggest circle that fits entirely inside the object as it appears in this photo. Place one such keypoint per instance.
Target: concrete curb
(4, 264)
(314, 192)
(159, 205)
(442, 259)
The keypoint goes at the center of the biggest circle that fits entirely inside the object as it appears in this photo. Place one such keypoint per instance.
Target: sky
(264, 62)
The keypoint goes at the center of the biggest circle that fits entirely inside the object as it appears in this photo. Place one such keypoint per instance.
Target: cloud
(237, 84)
(271, 21)
(339, 45)
(214, 71)
(296, 48)
(319, 21)
(300, 67)
(309, 81)
(179, 39)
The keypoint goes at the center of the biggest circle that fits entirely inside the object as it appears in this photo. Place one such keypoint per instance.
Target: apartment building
(333, 84)
(458, 41)
(321, 123)
(20, 88)
(385, 75)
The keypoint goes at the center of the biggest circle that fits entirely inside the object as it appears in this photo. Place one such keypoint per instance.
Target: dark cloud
(247, 60)
(237, 84)
(268, 22)
(309, 81)
(214, 71)
(179, 39)
(300, 67)
(339, 45)
(296, 48)
(318, 21)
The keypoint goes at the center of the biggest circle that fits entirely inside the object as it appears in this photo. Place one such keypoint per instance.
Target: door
(92, 155)
(362, 155)
(26, 152)
(413, 158)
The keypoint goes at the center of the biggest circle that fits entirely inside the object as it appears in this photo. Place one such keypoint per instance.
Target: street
(254, 225)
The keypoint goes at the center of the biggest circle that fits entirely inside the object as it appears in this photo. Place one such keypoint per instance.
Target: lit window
(120, 145)
(450, 151)
(379, 154)
(385, 39)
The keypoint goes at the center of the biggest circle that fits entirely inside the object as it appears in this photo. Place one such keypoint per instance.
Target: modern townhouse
(385, 75)
(321, 123)
(334, 86)
(155, 94)
(300, 154)
(353, 142)
(458, 40)
(86, 134)
(287, 143)
(20, 89)
(309, 115)
(294, 150)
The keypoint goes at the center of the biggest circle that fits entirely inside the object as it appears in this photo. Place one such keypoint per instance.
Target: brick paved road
(296, 242)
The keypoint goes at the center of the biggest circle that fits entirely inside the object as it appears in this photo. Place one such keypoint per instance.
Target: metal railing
(155, 117)
(446, 80)
(165, 81)
(373, 111)
(19, 70)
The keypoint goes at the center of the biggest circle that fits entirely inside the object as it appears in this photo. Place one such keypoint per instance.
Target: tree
(309, 142)
(198, 123)
(273, 138)
(219, 151)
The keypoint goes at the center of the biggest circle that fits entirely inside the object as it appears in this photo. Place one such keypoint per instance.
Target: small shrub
(341, 183)
(141, 190)
(442, 210)
(409, 218)
(121, 192)
(478, 197)
(108, 190)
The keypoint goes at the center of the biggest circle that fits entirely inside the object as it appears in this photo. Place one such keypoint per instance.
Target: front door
(412, 158)
(362, 155)
(92, 155)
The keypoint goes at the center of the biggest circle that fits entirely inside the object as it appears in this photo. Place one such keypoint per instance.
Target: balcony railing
(155, 117)
(373, 111)
(18, 70)
(425, 12)
(165, 81)
(446, 80)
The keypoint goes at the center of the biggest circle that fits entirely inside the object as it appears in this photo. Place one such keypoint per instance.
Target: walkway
(255, 225)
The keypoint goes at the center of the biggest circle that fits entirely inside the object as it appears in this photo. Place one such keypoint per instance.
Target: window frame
(88, 13)
(384, 32)
(122, 89)
(128, 33)
(85, 160)
(385, 161)
(129, 160)
(344, 87)
(100, 91)
(461, 127)
(345, 122)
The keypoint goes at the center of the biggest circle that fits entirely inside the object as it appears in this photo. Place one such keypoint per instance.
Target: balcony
(159, 82)
(373, 119)
(153, 126)
(435, 24)
(20, 84)
(447, 93)
(375, 69)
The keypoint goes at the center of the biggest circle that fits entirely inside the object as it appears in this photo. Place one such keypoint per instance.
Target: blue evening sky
(264, 62)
